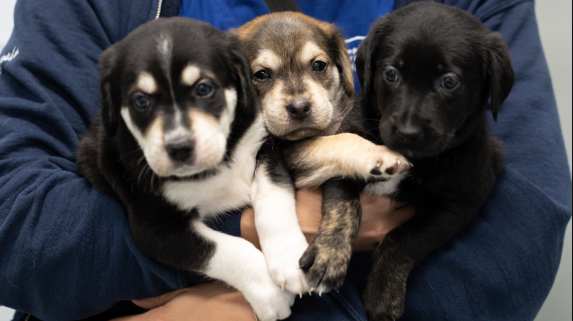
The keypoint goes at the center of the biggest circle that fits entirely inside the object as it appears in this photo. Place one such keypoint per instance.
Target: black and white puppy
(427, 72)
(176, 143)
(303, 77)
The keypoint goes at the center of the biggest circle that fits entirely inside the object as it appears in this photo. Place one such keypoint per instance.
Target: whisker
(140, 174)
(128, 154)
(140, 160)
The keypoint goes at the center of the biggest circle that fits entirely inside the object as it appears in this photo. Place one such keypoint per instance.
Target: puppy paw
(384, 297)
(282, 261)
(271, 303)
(325, 265)
(381, 163)
(288, 276)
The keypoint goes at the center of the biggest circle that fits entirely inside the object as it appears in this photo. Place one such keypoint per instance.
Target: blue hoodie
(65, 248)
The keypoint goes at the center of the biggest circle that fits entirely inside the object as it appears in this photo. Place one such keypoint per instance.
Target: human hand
(205, 302)
(379, 216)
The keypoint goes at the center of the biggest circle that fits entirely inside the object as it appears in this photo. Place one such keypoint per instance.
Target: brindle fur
(329, 254)
(308, 153)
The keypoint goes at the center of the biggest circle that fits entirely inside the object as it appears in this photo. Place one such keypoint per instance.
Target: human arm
(214, 301)
(204, 302)
(380, 215)
(65, 248)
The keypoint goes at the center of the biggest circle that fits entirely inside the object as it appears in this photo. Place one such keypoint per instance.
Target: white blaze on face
(165, 47)
(210, 141)
(180, 132)
(210, 134)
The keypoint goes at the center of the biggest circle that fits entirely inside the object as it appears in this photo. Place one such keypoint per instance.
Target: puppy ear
(110, 91)
(364, 57)
(338, 47)
(499, 71)
(246, 95)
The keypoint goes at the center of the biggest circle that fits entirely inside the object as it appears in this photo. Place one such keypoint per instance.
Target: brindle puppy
(303, 76)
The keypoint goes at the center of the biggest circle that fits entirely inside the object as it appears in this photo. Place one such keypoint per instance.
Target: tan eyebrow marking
(267, 59)
(311, 51)
(190, 75)
(146, 83)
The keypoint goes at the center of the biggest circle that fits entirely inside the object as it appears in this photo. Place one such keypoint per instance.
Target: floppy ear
(247, 97)
(499, 72)
(364, 64)
(110, 91)
(342, 60)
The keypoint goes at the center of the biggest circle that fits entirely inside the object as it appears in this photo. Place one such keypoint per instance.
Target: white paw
(381, 163)
(283, 262)
(270, 303)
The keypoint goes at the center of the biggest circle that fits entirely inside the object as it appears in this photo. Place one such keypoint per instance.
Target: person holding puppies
(66, 251)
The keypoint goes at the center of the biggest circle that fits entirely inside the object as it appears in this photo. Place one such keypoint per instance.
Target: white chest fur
(228, 190)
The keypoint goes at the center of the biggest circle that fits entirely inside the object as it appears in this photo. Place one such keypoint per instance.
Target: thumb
(152, 303)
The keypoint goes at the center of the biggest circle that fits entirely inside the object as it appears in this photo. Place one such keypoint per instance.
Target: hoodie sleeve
(65, 248)
(503, 266)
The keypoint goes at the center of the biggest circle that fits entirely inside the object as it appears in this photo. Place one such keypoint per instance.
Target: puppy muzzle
(181, 150)
(299, 109)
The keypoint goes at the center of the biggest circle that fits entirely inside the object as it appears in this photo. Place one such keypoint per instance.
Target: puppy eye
(391, 75)
(140, 102)
(203, 90)
(449, 82)
(319, 66)
(262, 75)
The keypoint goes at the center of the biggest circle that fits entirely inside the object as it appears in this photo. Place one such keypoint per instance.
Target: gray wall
(555, 25)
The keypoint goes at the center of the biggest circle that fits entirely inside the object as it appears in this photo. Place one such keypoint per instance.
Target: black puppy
(427, 73)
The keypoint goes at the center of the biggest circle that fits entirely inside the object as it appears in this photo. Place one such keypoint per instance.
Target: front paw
(381, 163)
(325, 265)
(288, 276)
(282, 262)
(384, 296)
(270, 303)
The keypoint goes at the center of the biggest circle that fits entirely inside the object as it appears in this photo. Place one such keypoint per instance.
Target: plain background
(555, 24)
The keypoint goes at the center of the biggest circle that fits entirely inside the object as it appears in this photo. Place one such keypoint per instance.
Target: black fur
(111, 159)
(456, 160)
(271, 154)
(327, 257)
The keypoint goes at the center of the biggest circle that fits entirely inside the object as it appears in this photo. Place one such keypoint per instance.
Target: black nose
(410, 133)
(299, 109)
(180, 150)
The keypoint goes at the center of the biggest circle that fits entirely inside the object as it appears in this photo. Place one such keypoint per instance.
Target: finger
(379, 201)
(152, 303)
(404, 213)
(308, 209)
(315, 193)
